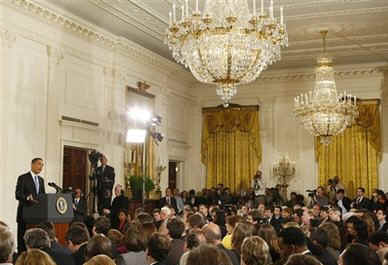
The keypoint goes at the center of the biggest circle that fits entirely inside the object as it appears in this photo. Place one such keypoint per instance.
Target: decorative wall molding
(7, 38)
(93, 34)
(55, 55)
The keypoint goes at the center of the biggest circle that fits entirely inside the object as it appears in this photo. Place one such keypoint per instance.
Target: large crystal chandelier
(226, 44)
(323, 111)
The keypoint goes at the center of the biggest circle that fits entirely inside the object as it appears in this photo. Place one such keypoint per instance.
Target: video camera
(94, 157)
(311, 193)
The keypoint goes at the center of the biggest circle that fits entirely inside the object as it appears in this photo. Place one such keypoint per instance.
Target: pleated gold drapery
(354, 155)
(134, 159)
(231, 147)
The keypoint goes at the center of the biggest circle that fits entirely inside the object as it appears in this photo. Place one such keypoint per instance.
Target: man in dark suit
(361, 202)
(39, 238)
(28, 188)
(120, 202)
(169, 200)
(79, 206)
(342, 202)
(105, 181)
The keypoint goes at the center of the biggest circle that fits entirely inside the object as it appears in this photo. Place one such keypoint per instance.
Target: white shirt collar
(33, 174)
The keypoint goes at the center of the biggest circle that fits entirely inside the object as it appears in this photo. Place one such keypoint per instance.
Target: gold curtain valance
(231, 148)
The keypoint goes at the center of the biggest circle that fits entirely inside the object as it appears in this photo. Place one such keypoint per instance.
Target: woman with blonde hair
(268, 233)
(100, 260)
(34, 257)
(255, 251)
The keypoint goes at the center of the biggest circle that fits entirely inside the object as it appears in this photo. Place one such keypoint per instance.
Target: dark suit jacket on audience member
(80, 209)
(177, 249)
(80, 255)
(120, 202)
(60, 258)
(346, 202)
(364, 204)
(163, 202)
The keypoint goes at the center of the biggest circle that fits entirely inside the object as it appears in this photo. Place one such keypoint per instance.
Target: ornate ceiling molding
(132, 14)
(92, 34)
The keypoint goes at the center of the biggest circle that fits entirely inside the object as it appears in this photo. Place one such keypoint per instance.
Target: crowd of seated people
(217, 227)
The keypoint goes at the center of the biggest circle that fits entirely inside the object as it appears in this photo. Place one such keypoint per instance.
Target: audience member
(77, 238)
(135, 242)
(268, 233)
(379, 243)
(7, 245)
(193, 240)
(231, 222)
(358, 254)
(157, 249)
(318, 245)
(101, 226)
(100, 260)
(212, 234)
(99, 244)
(301, 259)
(291, 241)
(255, 251)
(38, 238)
(208, 255)
(240, 232)
(34, 257)
(175, 229)
(334, 238)
(120, 202)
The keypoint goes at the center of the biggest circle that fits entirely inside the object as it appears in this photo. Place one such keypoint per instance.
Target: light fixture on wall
(322, 111)
(284, 168)
(227, 44)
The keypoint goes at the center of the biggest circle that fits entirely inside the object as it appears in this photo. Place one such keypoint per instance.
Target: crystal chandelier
(323, 111)
(226, 44)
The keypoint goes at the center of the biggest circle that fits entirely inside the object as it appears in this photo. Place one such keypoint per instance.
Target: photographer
(105, 176)
(318, 197)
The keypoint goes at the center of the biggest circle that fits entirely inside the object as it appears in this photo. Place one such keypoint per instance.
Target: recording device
(55, 186)
(94, 157)
(311, 193)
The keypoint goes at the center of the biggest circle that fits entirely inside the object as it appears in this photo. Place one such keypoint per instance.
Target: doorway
(75, 168)
(172, 174)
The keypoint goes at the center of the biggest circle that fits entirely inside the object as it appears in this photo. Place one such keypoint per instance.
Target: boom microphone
(55, 186)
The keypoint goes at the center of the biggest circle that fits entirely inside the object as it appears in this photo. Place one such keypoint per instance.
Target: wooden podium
(53, 207)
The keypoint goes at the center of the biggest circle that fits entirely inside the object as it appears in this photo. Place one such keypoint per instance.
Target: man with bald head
(212, 233)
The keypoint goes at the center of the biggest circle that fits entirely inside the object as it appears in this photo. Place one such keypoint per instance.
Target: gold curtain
(231, 147)
(354, 155)
(134, 159)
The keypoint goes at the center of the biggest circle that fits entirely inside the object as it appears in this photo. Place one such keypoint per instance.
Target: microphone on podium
(55, 186)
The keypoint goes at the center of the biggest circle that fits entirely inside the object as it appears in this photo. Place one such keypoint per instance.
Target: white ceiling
(358, 29)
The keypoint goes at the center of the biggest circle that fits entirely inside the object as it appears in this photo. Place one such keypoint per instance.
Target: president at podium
(29, 186)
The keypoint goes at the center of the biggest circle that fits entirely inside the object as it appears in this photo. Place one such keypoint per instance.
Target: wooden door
(75, 168)
(172, 165)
